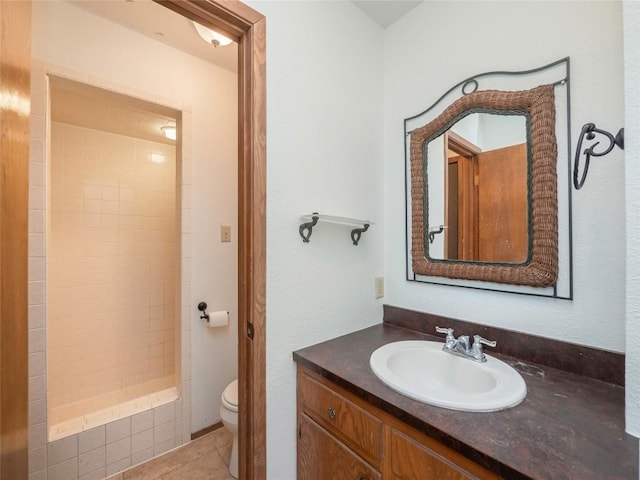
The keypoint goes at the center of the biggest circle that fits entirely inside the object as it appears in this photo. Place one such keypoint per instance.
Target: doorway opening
(247, 27)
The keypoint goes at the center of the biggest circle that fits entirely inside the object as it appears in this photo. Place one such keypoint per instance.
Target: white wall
(631, 11)
(423, 58)
(114, 56)
(324, 154)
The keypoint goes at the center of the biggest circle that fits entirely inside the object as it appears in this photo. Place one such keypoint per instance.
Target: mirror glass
(477, 187)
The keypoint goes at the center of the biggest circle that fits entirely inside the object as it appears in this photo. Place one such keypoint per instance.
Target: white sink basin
(423, 371)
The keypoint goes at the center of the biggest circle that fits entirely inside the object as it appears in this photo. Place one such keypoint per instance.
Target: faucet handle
(450, 340)
(477, 339)
(448, 331)
(476, 349)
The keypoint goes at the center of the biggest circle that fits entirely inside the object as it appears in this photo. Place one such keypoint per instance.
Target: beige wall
(111, 267)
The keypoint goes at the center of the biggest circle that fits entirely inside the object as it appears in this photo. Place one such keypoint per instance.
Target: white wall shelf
(310, 221)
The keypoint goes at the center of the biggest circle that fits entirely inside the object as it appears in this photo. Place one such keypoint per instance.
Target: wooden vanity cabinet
(342, 437)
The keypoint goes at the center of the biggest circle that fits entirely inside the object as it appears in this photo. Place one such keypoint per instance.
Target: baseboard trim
(206, 430)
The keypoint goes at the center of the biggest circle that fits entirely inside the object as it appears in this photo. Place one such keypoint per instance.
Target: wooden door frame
(467, 191)
(247, 27)
(15, 79)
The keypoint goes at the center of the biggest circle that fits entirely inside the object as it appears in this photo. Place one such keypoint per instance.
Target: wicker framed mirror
(488, 201)
(539, 265)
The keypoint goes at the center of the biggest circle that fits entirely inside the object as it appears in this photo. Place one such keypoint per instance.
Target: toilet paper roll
(218, 319)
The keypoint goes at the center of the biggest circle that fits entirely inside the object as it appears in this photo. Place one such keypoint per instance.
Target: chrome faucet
(461, 346)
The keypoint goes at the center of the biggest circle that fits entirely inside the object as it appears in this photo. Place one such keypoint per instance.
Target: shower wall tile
(37, 340)
(118, 466)
(37, 222)
(36, 126)
(36, 151)
(142, 441)
(37, 387)
(118, 451)
(36, 173)
(38, 475)
(163, 433)
(62, 450)
(141, 456)
(186, 171)
(36, 245)
(37, 272)
(37, 459)
(91, 461)
(142, 421)
(64, 470)
(118, 430)
(92, 439)
(36, 312)
(98, 474)
(66, 72)
(106, 84)
(36, 197)
(36, 364)
(37, 77)
(38, 436)
(37, 412)
(177, 432)
(163, 414)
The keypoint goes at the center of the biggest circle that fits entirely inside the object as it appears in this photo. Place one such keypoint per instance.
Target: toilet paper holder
(202, 306)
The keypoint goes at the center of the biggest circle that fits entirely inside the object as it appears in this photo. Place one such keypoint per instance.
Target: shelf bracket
(308, 228)
(434, 231)
(357, 232)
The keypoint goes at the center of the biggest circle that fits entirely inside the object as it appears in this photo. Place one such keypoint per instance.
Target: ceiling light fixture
(169, 131)
(211, 37)
(157, 158)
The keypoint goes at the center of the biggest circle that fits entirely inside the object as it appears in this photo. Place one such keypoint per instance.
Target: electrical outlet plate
(379, 287)
(225, 233)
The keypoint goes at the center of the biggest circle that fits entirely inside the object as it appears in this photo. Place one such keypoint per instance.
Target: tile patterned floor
(206, 458)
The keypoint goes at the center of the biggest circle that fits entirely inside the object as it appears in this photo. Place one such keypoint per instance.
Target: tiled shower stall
(109, 304)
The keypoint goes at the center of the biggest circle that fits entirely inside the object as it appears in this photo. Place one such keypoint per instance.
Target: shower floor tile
(206, 458)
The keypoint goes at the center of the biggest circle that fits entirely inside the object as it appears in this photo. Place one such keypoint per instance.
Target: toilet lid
(230, 396)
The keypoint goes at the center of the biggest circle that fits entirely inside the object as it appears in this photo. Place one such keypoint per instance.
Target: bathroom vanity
(341, 436)
(352, 426)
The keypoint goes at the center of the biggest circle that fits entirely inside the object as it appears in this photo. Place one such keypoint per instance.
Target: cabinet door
(323, 457)
(347, 421)
(412, 460)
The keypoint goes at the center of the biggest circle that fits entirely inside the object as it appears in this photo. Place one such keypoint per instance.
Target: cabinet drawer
(360, 430)
(322, 457)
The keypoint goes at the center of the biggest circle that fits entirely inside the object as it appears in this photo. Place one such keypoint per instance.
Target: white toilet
(229, 415)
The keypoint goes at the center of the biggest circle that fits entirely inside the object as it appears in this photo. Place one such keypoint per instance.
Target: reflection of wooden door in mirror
(451, 208)
(461, 198)
(502, 205)
(486, 202)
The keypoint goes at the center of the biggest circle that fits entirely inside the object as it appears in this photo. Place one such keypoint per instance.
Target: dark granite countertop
(568, 427)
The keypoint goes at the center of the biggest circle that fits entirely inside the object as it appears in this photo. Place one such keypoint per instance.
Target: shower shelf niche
(311, 220)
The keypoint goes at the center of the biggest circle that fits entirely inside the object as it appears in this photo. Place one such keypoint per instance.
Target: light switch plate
(379, 286)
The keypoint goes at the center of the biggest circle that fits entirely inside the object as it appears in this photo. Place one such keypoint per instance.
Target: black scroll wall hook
(589, 131)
